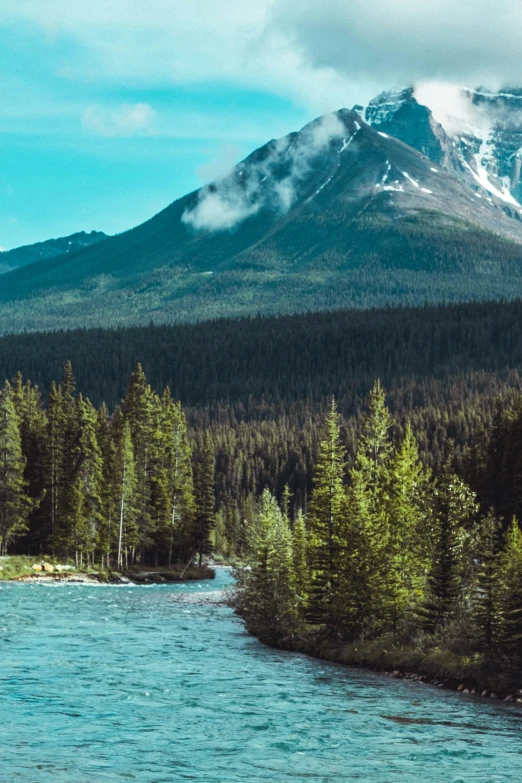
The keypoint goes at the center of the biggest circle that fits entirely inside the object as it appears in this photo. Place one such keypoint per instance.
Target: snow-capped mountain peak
(476, 134)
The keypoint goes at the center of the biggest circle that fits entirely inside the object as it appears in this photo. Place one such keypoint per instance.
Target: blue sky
(111, 109)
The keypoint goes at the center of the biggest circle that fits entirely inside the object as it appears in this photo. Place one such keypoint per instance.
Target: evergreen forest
(398, 561)
(364, 511)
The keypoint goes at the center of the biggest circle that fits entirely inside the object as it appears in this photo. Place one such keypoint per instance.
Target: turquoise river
(104, 684)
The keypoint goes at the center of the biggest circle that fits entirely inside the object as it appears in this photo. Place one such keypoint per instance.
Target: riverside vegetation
(140, 485)
(390, 565)
(118, 490)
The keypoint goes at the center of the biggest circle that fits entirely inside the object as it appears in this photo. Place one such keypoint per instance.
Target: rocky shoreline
(134, 577)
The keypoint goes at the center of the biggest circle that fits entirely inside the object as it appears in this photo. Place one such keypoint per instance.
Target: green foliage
(407, 494)
(205, 500)
(453, 508)
(486, 593)
(15, 504)
(299, 551)
(510, 598)
(325, 520)
(113, 488)
(268, 587)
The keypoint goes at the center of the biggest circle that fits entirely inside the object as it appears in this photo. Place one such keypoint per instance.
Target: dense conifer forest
(260, 388)
(254, 394)
(115, 490)
(360, 516)
(391, 555)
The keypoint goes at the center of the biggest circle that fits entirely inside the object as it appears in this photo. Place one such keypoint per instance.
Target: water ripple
(155, 684)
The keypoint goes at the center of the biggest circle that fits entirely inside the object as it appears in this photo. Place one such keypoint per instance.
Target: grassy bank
(438, 667)
(22, 568)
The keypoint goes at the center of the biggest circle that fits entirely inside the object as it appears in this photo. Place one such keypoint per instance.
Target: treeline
(389, 551)
(113, 489)
(259, 388)
(260, 367)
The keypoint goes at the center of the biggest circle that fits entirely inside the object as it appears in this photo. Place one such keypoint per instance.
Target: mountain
(483, 139)
(376, 206)
(40, 251)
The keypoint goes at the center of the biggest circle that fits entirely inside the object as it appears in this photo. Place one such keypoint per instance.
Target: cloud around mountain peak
(246, 190)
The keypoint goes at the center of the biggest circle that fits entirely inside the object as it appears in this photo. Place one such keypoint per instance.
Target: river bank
(438, 668)
(27, 569)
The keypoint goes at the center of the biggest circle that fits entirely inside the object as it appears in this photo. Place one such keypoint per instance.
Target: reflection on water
(104, 684)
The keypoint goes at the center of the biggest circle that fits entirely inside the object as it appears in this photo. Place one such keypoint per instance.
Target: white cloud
(323, 53)
(271, 182)
(174, 42)
(453, 109)
(123, 120)
(406, 40)
(220, 211)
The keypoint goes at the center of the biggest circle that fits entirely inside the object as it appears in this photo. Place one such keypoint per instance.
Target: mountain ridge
(342, 213)
(50, 248)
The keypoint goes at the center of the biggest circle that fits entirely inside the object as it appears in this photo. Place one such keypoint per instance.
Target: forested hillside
(255, 393)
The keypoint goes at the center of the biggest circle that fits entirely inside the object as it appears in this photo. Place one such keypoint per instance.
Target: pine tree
(33, 430)
(325, 522)
(366, 581)
(172, 482)
(510, 596)
(205, 499)
(299, 549)
(374, 444)
(142, 410)
(267, 592)
(357, 599)
(15, 505)
(107, 525)
(486, 592)
(406, 500)
(78, 528)
(453, 507)
(125, 490)
(55, 457)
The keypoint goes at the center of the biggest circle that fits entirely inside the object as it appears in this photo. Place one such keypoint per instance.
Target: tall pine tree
(15, 504)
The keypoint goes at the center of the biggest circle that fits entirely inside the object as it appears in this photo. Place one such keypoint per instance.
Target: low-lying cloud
(272, 182)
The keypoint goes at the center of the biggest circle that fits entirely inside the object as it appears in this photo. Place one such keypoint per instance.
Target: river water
(103, 684)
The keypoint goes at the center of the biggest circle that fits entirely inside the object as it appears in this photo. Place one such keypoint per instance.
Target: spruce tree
(374, 444)
(357, 599)
(510, 596)
(453, 507)
(486, 592)
(178, 483)
(366, 581)
(33, 431)
(142, 410)
(15, 505)
(325, 521)
(125, 491)
(299, 549)
(267, 592)
(406, 501)
(205, 499)
(55, 442)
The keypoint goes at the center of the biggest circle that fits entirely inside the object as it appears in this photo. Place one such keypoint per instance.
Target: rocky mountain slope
(394, 208)
(482, 139)
(40, 251)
